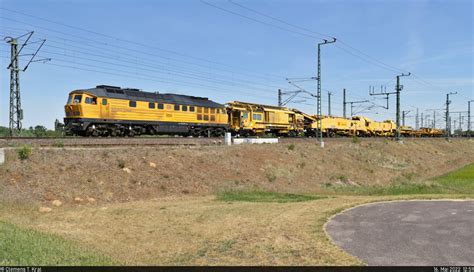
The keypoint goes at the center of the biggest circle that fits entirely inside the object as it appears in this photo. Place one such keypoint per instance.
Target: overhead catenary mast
(16, 112)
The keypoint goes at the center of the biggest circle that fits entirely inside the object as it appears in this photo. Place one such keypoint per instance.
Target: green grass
(260, 196)
(460, 181)
(27, 247)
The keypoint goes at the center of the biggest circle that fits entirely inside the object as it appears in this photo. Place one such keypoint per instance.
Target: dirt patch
(137, 173)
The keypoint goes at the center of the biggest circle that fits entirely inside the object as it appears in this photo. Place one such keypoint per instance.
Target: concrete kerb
(2, 156)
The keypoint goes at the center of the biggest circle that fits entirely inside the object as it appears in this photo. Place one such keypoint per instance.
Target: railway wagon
(360, 126)
(248, 119)
(406, 131)
(331, 126)
(428, 132)
(386, 128)
(114, 111)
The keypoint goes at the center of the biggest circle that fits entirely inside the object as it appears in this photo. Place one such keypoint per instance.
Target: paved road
(407, 233)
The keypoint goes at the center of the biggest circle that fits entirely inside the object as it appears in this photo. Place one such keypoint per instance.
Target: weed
(271, 177)
(226, 245)
(327, 184)
(355, 140)
(408, 176)
(58, 143)
(340, 178)
(291, 147)
(121, 163)
(24, 152)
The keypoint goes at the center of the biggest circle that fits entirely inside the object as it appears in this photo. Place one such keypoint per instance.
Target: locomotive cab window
(191, 109)
(184, 108)
(91, 100)
(245, 115)
(161, 106)
(77, 99)
(132, 104)
(176, 107)
(69, 99)
(151, 105)
(104, 101)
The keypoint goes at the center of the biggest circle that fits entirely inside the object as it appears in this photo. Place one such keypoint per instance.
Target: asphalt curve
(407, 232)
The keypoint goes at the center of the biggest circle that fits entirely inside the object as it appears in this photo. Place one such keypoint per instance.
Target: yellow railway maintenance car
(331, 126)
(114, 111)
(247, 119)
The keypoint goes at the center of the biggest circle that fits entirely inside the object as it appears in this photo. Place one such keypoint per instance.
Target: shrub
(291, 147)
(355, 139)
(24, 152)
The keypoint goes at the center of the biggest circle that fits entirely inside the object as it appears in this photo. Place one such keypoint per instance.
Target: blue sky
(192, 48)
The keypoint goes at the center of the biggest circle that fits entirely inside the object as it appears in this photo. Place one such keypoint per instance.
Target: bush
(355, 139)
(24, 152)
(291, 147)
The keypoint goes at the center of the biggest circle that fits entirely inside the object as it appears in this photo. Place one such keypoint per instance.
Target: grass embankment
(29, 247)
(460, 181)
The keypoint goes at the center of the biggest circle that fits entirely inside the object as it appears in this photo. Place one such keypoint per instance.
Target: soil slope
(121, 174)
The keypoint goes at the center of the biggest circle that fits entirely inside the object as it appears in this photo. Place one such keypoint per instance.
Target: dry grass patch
(200, 231)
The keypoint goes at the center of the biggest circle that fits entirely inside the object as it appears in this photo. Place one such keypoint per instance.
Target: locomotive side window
(77, 98)
(184, 108)
(91, 100)
(199, 116)
(206, 117)
(161, 106)
(257, 117)
(191, 109)
(176, 107)
(151, 105)
(104, 101)
(245, 115)
(132, 104)
(69, 100)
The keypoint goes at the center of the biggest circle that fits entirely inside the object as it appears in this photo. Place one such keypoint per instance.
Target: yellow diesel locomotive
(114, 111)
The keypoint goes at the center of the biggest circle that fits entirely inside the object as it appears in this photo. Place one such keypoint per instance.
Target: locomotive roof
(135, 94)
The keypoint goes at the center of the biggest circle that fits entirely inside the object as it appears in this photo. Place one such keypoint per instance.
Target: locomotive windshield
(77, 99)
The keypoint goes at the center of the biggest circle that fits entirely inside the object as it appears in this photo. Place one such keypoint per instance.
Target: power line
(361, 54)
(134, 42)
